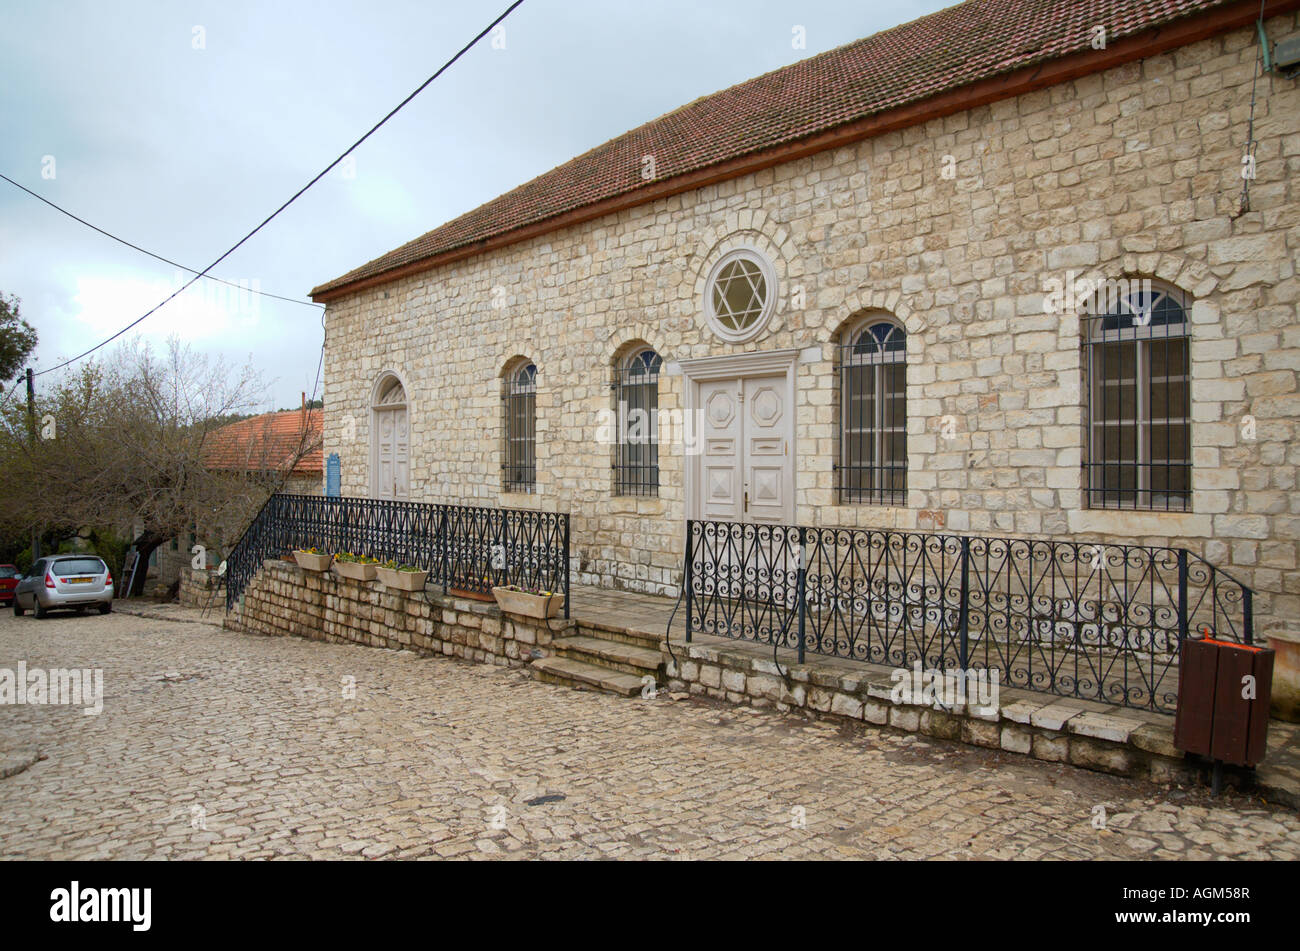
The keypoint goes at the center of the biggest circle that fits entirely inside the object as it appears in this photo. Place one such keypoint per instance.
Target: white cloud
(207, 312)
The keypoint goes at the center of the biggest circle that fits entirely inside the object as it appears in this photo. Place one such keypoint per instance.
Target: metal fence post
(1248, 614)
(687, 577)
(1182, 596)
(567, 594)
(803, 593)
(444, 545)
(963, 611)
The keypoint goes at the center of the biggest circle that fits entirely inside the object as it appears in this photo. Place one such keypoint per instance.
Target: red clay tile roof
(266, 443)
(954, 47)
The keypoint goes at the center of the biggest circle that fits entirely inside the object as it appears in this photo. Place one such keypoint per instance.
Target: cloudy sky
(181, 125)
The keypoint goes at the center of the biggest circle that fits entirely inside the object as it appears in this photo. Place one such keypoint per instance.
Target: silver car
(74, 582)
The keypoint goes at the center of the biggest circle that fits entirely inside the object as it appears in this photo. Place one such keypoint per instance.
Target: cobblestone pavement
(214, 744)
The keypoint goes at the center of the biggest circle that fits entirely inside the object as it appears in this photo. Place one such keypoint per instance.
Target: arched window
(519, 404)
(636, 415)
(1138, 380)
(872, 467)
(390, 440)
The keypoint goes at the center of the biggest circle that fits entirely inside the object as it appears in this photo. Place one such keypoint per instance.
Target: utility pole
(31, 439)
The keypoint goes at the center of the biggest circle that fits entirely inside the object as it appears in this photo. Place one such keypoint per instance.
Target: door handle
(746, 501)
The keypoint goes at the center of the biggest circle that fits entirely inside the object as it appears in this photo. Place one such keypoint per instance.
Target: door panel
(767, 460)
(401, 455)
(720, 482)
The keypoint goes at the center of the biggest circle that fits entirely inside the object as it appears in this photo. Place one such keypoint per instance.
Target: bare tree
(121, 444)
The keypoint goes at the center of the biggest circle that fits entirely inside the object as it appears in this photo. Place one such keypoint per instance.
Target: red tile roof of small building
(939, 53)
(267, 443)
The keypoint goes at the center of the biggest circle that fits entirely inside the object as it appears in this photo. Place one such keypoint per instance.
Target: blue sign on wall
(332, 476)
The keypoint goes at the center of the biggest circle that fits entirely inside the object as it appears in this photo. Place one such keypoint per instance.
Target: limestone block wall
(283, 599)
(1134, 172)
(198, 589)
(1045, 727)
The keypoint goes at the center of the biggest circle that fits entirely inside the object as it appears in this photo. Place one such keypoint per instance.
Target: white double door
(392, 454)
(745, 466)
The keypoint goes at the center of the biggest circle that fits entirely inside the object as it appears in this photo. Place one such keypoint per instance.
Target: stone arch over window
(1136, 339)
(871, 467)
(390, 438)
(519, 426)
(745, 246)
(635, 437)
(741, 294)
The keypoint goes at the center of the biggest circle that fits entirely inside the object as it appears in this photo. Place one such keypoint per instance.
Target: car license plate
(79, 580)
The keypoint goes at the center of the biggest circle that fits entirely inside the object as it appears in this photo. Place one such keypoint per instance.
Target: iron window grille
(872, 467)
(636, 417)
(519, 399)
(1138, 381)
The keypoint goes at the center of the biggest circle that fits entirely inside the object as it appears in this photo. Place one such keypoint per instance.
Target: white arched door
(391, 443)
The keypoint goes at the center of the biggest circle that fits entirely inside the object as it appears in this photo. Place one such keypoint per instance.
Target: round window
(740, 295)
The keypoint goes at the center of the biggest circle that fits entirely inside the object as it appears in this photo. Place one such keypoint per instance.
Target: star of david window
(740, 295)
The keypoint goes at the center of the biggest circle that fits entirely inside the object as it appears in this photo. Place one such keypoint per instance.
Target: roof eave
(1150, 42)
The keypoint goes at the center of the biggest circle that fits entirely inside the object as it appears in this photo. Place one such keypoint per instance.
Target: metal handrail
(463, 547)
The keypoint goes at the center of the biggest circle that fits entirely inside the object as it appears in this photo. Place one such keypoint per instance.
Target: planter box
(402, 580)
(312, 562)
(355, 571)
(528, 605)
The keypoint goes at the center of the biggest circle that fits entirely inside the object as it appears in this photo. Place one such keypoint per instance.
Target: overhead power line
(296, 195)
(156, 257)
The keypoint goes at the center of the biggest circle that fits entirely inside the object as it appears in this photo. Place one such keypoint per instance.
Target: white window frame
(1141, 337)
(878, 495)
(769, 304)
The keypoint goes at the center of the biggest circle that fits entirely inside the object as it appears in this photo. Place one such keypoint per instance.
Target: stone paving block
(1021, 710)
(845, 706)
(1055, 715)
(1053, 749)
(1156, 738)
(1016, 738)
(1104, 726)
(880, 688)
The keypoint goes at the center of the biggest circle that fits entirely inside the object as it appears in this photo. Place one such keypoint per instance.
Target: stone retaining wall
(1056, 729)
(197, 587)
(284, 599)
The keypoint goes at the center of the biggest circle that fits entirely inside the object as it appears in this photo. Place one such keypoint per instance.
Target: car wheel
(18, 608)
(105, 608)
(38, 610)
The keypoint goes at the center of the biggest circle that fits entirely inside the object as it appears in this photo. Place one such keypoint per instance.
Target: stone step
(575, 673)
(604, 632)
(614, 655)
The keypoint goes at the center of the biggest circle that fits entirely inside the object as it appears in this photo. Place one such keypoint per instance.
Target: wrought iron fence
(1096, 621)
(464, 548)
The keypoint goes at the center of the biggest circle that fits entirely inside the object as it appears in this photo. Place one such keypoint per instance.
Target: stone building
(1020, 267)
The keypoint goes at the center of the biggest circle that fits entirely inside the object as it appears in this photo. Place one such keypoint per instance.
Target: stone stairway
(602, 657)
